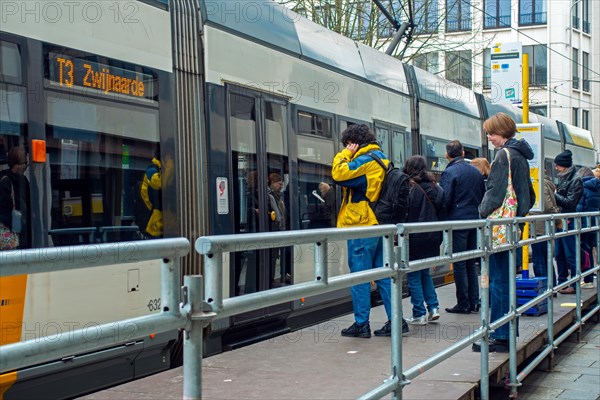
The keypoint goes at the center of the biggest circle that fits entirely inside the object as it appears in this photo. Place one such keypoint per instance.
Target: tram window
(318, 207)
(383, 138)
(10, 63)
(314, 124)
(398, 154)
(435, 154)
(13, 113)
(98, 152)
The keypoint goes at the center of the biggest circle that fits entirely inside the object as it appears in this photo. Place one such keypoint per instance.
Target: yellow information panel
(532, 133)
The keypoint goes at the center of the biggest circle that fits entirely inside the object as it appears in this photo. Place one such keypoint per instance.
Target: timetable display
(70, 72)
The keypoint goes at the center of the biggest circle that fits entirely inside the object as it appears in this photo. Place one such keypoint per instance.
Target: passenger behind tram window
(278, 222)
(327, 193)
(15, 201)
(149, 213)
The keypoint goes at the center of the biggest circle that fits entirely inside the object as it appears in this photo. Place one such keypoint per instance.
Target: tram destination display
(70, 72)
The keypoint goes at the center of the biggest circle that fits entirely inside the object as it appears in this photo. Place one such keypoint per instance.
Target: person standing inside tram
(568, 193)
(151, 224)
(463, 187)
(277, 222)
(15, 229)
(500, 130)
(361, 179)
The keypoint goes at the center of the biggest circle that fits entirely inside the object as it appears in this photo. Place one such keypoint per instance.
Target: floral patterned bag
(8, 240)
(508, 209)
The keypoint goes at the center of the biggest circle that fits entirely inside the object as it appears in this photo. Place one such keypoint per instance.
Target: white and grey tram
(231, 92)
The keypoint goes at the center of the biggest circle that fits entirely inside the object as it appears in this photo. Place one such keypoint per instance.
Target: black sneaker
(355, 330)
(458, 310)
(495, 346)
(386, 330)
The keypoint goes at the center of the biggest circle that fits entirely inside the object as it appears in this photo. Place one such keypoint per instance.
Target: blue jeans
(499, 293)
(564, 253)
(539, 256)
(465, 272)
(421, 290)
(364, 254)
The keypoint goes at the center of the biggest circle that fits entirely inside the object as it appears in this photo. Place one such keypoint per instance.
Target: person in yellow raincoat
(151, 194)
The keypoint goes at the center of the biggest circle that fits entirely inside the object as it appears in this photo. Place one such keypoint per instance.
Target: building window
(575, 13)
(586, 16)
(426, 16)
(428, 62)
(496, 14)
(575, 68)
(585, 58)
(539, 110)
(585, 119)
(532, 12)
(458, 67)
(538, 64)
(487, 68)
(575, 121)
(458, 15)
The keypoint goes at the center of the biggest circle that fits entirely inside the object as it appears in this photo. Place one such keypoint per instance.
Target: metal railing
(190, 309)
(395, 264)
(36, 351)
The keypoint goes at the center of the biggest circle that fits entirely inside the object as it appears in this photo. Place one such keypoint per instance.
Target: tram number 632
(154, 304)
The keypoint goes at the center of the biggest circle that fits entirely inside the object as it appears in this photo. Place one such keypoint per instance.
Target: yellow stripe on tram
(12, 304)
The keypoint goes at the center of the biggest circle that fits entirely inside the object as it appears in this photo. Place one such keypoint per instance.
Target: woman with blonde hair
(482, 164)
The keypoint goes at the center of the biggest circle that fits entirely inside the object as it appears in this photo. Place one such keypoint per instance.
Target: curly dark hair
(359, 134)
(416, 169)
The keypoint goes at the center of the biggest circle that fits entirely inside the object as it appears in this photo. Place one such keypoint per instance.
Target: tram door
(260, 169)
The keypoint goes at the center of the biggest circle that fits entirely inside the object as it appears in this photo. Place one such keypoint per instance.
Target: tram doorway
(260, 168)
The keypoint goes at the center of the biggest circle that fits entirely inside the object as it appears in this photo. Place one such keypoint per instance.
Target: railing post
(321, 262)
(397, 314)
(513, 239)
(170, 283)
(484, 242)
(213, 274)
(550, 230)
(192, 339)
(578, 261)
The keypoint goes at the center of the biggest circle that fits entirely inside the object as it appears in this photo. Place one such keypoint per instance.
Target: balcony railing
(502, 21)
(586, 85)
(458, 25)
(575, 22)
(533, 18)
(586, 27)
(575, 82)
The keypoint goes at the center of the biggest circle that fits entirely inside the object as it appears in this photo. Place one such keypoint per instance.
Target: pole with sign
(506, 73)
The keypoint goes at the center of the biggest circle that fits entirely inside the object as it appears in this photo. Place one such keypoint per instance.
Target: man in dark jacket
(464, 187)
(568, 193)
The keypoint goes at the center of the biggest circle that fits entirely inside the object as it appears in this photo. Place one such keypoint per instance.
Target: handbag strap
(509, 171)
(425, 194)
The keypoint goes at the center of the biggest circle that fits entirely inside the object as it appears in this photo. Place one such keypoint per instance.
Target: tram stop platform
(317, 363)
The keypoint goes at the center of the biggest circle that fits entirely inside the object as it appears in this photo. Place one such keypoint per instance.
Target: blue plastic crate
(538, 309)
(532, 283)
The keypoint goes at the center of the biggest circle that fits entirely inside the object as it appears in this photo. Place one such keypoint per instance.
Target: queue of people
(466, 191)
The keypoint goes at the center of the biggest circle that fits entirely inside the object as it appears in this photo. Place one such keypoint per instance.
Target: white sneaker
(434, 314)
(587, 285)
(422, 320)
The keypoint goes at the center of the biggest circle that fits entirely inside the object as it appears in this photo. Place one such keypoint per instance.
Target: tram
(231, 95)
